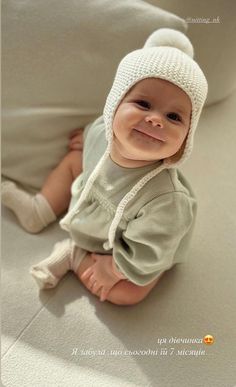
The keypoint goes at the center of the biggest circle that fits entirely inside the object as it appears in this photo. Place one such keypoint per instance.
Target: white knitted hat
(167, 54)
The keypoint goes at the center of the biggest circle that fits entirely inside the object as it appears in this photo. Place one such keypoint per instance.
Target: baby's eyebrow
(141, 95)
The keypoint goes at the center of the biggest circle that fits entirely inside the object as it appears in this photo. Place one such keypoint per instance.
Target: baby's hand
(100, 275)
(76, 139)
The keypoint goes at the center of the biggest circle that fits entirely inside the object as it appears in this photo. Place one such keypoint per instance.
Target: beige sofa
(59, 60)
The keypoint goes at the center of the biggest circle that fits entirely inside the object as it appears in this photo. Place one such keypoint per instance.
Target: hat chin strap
(126, 199)
(167, 163)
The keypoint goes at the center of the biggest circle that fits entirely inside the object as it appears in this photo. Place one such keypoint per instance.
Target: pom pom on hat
(167, 37)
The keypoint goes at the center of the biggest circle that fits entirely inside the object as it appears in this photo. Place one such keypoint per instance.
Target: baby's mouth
(150, 133)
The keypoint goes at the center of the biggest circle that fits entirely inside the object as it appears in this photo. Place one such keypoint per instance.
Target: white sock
(64, 257)
(33, 212)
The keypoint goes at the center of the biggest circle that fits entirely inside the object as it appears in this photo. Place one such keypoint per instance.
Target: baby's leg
(124, 292)
(36, 212)
(57, 187)
(66, 256)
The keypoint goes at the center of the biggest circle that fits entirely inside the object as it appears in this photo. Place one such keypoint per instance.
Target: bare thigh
(57, 187)
(73, 162)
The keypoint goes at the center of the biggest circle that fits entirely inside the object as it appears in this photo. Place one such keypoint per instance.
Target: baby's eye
(174, 116)
(143, 103)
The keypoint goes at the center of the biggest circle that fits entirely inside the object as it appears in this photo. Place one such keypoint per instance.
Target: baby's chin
(140, 158)
(130, 159)
(142, 154)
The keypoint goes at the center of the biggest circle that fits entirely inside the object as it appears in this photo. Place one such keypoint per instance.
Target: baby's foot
(65, 256)
(76, 139)
(33, 211)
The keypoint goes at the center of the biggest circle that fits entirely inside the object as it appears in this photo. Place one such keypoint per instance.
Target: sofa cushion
(212, 31)
(59, 60)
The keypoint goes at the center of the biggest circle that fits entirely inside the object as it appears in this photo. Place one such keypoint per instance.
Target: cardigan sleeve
(148, 245)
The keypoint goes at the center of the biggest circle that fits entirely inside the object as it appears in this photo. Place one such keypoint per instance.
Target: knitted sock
(33, 212)
(64, 257)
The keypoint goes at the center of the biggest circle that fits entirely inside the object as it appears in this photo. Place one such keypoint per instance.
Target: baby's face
(151, 123)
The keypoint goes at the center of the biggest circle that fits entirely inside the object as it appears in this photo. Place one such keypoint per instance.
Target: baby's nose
(155, 120)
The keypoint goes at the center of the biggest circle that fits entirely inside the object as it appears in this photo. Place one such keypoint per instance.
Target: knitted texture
(64, 257)
(167, 63)
(167, 54)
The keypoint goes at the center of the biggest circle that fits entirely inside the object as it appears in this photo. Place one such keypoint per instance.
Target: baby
(131, 212)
